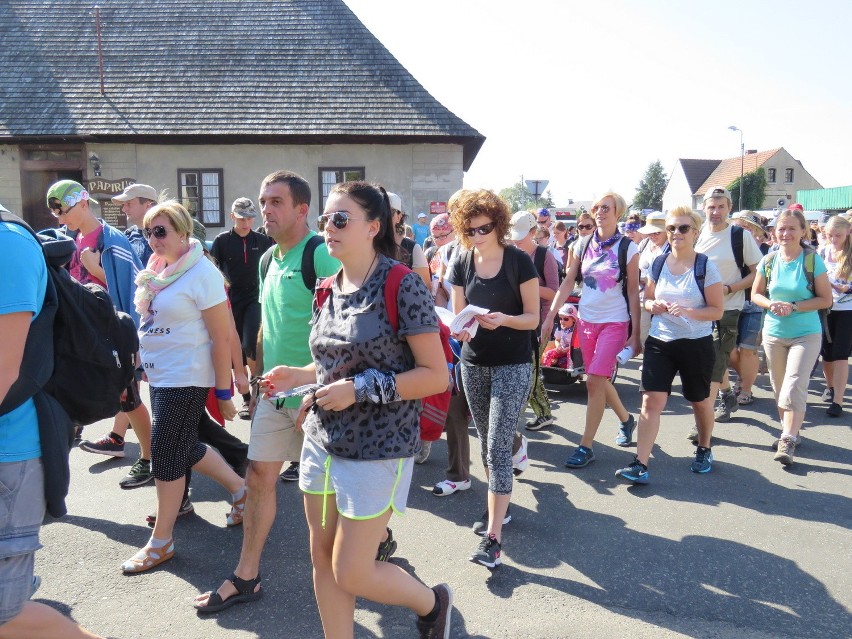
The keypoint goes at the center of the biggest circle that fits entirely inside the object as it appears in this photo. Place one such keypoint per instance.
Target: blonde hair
(177, 215)
(620, 204)
(844, 260)
(685, 211)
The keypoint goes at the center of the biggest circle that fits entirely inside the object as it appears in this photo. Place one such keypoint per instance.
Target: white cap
(395, 201)
(522, 223)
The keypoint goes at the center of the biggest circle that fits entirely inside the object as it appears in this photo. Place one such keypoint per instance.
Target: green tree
(520, 199)
(649, 195)
(754, 190)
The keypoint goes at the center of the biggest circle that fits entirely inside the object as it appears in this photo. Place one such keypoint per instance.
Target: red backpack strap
(394, 279)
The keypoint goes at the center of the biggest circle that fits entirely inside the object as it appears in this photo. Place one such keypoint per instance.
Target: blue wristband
(223, 393)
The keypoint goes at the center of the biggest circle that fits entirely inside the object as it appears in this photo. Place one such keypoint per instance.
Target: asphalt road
(748, 550)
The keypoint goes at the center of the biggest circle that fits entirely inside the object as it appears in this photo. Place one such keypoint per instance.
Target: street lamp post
(742, 162)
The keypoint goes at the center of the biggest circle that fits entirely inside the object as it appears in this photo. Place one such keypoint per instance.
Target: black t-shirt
(238, 259)
(503, 345)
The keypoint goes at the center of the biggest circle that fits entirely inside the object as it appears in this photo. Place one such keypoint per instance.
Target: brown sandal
(148, 558)
(235, 517)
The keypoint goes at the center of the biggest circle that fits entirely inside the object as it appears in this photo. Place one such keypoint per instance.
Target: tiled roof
(209, 68)
(729, 169)
(696, 171)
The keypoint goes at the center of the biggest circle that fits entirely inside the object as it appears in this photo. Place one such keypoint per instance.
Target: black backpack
(538, 261)
(699, 269)
(80, 350)
(309, 271)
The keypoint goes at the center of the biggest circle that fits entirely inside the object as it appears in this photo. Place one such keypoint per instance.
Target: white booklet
(464, 321)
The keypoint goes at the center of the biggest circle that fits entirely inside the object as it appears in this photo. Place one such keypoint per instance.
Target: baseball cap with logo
(522, 223)
(244, 207)
(136, 190)
(718, 191)
(440, 224)
(69, 193)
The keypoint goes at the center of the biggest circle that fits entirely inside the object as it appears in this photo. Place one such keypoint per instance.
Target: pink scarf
(158, 275)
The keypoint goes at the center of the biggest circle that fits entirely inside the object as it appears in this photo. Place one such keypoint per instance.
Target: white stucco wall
(10, 178)
(677, 191)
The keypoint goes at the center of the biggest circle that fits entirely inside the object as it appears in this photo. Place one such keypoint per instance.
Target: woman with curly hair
(496, 357)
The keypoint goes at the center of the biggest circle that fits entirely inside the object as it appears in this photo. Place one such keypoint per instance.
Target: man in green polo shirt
(286, 305)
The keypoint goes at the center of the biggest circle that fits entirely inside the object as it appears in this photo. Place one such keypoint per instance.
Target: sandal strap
(244, 586)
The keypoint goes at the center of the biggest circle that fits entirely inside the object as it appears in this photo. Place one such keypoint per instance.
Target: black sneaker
(292, 473)
(139, 475)
(487, 553)
(726, 403)
(106, 445)
(386, 548)
(244, 412)
(835, 410)
(481, 526)
(540, 422)
(186, 507)
(440, 628)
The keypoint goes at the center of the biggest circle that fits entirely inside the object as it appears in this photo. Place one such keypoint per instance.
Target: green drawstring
(327, 466)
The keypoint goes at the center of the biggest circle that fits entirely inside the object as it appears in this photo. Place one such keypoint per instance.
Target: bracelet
(223, 393)
(376, 387)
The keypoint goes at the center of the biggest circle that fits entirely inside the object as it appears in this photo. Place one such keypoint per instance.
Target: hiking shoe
(139, 474)
(447, 487)
(540, 422)
(481, 526)
(423, 455)
(693, 434)
(703, 460)
(487, 553)
(186, 507)
(520, 461)
(440, 628)
(292, 473)
(637, 472)
(726, 403)
(581, 457)
(835, 410)
(786, 450)
(386, 548)
(744, 398)
(827, 396)
(777, 441)
(106, 445)
(244, 412)
(625, 432)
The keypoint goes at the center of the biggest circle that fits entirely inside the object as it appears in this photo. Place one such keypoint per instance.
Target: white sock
(235, 497)
(157, 543)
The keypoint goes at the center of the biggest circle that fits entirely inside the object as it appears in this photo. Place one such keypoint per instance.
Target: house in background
(691, 179)
(204, 99)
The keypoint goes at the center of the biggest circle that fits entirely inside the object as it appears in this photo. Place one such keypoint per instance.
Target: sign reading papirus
(436, 208)
(102, 190)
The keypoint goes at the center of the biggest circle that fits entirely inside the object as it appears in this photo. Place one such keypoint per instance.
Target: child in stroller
(563, 364)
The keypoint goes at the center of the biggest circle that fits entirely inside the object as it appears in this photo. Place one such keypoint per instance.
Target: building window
(202, 194)
(788, 176)
(771, 177)
(329, 176)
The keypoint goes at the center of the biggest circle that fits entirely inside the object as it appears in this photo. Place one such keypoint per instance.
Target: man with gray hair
(237, 253)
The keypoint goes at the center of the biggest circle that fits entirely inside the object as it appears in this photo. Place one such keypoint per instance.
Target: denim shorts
(22, 508)
(748, 327)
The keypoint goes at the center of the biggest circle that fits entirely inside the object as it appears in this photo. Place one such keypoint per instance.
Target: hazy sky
(587, 94)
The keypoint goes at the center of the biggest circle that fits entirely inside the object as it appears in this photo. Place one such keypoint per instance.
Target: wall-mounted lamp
(95, 163)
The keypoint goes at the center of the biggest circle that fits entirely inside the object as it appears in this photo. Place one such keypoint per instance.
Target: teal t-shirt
(788, 283)
(286, 307)
(24, 280)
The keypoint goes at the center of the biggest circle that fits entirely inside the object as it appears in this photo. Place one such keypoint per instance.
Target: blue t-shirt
(788, 283)
(23, 280)
(421, 232)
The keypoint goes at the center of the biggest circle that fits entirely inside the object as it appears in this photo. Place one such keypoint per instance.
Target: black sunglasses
(158, 231)
(585, 227)
(485, 229)
(683, 229)
(339, 218)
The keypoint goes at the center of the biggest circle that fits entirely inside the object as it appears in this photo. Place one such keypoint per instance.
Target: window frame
(220, 221)
(341, 169)
(789, 176)
(771, 176)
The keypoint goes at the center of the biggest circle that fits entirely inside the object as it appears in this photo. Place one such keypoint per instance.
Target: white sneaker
(447, 487)
(520, 461)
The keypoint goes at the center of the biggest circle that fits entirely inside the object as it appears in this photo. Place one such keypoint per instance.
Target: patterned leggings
(496, 396)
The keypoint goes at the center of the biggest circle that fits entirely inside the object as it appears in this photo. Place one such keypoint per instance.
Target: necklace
(366, 276)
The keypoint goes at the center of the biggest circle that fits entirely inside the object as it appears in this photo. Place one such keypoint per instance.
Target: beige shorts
(274, 436)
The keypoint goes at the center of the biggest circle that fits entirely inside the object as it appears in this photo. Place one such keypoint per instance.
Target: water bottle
(625, 355)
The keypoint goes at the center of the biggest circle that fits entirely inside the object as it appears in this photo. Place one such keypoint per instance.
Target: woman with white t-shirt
(185, 347)
(608, 321)
(680, 341)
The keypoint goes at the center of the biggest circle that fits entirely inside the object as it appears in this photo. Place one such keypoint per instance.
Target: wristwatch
(795, 307)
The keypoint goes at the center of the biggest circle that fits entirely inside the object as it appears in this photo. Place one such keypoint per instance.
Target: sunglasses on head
(683, 229)
(56, 208)
(485, 229)
(339, 218)
(158, 231)
(585, 227)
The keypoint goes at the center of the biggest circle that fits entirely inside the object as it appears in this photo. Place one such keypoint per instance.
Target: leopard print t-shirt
(352, 333)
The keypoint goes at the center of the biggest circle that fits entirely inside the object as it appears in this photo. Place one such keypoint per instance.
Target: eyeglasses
(158, 231)
(339, 218)
(603, 208)
(585, 227)
(485, 229)
(441, 237)
(683, 229)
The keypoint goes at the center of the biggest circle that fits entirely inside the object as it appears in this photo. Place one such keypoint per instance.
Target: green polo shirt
(286, 307)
